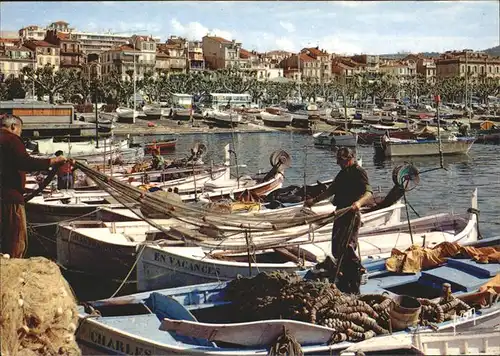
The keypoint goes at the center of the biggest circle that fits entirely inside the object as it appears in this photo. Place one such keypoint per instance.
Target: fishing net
(38, 309)
(281, 295)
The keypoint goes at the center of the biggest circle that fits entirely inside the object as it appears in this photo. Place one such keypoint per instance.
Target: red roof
(218, 39)
(61, 23)
(41, 44)
(124, 47)
(306, 58)
(245, 54)
(316, 52)
(9, 40)
(62, 36)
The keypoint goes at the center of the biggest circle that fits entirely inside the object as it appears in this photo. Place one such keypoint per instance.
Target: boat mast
(299, 77)
(345, 102)
(437, 99)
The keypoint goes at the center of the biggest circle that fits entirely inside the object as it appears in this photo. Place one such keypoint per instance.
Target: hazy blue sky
(341, 27)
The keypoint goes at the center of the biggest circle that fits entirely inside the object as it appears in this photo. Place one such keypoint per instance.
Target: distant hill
(494, 51)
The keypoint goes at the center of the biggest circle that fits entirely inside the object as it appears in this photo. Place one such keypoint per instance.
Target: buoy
(6, 255)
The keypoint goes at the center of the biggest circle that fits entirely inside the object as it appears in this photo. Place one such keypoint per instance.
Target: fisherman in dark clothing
(351, 189)
(15, 161)
(65, 179)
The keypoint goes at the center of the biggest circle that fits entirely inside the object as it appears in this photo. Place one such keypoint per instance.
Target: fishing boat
(95, 247)
(152, 111)
(450, 144)
(276, 117)
(47, 146)
(162, 146)
(161, 267)
(374, 132)
(335, 138)
(181, 114)
(126, 115)
(196, 320)
(226, 118)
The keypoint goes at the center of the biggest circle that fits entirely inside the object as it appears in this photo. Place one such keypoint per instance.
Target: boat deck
(464, 275)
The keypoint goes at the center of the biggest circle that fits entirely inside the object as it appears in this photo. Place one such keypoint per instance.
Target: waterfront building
(45, 53)
(220, 53)
(195, 56)
(69, 49)
(32, 32)
(320, 69)
(14, 57)
(344, 69)
(476, 65)
(121, 59)
(369, 63)
(174, 55)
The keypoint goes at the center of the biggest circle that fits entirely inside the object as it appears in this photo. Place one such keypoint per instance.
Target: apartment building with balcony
(319, 70)
(369, 63)
(274, 58)
(260, 67)
(14, 57)
(220, 53)
(466, 62)
(424, 66)
(173, 55)
(45, 53)
(195, 56)
(344, 69)
(69, 48)
(121, 59)
(32, 32)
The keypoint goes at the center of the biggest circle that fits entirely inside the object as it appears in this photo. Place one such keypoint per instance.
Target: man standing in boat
(14, 164)
(158, 161)
(65, 179)
(351, 189)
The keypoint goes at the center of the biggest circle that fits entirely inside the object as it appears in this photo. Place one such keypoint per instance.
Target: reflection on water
(439, 190)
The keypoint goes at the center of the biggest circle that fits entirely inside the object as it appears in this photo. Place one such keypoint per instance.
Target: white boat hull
(273, 120)
(426, 148)
(329, 140)
(126, 115)
(170, 267)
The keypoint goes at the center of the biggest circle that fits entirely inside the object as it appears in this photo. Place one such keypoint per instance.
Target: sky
(343, 27)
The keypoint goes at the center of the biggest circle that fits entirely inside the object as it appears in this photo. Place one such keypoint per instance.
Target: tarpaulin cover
(486, 293)
(416, 258)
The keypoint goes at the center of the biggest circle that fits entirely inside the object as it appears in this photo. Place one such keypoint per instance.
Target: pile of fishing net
(280, 295)
(38, 309)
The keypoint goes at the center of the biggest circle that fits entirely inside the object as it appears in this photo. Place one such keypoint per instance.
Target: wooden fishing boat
(81, 241)
(161, 267)
(194, 320)
(335, 138)
(126, 115)
(152, 111)
(162, 146)
(226, 119)
(391, 147)
(481, 341)
(275, 117)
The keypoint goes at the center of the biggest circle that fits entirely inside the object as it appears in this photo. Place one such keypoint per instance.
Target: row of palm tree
(79, 88)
